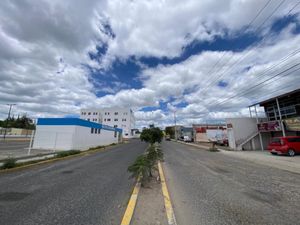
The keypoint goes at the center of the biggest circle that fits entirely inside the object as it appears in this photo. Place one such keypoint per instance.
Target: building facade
(122, 118)
(72, 133)
(282, 118)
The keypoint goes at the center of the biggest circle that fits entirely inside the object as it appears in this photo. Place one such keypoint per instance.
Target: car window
(275, 140)
(293, 139)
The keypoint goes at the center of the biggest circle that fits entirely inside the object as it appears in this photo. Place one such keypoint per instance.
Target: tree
(170, 131)
(152, 135)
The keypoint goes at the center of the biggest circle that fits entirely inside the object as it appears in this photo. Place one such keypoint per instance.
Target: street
(91, 189)
(213, 188)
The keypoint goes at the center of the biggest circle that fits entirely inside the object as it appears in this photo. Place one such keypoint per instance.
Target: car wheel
(291, 152)
(273, 153)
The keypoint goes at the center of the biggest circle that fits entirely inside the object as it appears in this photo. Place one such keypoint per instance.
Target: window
(99, 131)
(108, 119)
(125, 113)
(89, 113)
(92, 130)
(294, 139)
(123, 119)
(88, 119)
(116, 113)
(104, 120)
(115, 126)
(105, 113)
(115, 134)
(115, 119)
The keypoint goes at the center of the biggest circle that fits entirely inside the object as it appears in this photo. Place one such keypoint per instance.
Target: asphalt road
(13, 145)
(92, 189)
(213, 188)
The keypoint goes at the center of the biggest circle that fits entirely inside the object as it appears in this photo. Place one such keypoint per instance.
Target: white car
(186, 139)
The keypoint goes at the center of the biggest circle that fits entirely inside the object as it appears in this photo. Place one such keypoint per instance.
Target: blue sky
(191, 57)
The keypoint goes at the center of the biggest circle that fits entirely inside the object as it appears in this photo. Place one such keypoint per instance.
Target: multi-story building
(115, 117)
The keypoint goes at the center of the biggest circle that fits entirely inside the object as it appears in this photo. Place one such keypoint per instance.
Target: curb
(131, 204)
(167, 200)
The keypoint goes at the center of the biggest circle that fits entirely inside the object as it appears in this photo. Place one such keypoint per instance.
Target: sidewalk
(291, 164)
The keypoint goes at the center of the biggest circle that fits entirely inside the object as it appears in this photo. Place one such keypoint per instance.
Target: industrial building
(282, 118)
(122, 118)
(73, 133)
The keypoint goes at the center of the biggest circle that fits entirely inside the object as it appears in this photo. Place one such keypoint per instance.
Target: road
(213, 188)
(92, 189)
(10, 148)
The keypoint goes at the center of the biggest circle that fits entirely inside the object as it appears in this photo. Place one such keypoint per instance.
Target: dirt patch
(150, 209)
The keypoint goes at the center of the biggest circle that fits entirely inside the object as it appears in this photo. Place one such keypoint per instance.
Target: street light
(8, 116)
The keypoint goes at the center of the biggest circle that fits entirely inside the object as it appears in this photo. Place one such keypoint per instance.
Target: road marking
(131, 204)
(168, 204)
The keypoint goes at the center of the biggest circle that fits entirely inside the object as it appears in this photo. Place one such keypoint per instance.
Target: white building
(115, 117)
(73, 133)
(243, 134)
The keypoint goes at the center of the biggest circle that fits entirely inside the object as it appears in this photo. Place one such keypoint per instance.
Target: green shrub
(9, 163)
(97, 147)
(213, 150)
(67, 153)
(140, 168)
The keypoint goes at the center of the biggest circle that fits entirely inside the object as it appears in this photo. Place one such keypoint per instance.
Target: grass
(67, 153)
(213, 150)
(9, 163)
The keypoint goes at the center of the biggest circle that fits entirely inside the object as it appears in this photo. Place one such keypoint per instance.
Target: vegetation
(170, 131)
(145, 164)
(9, 163)
(67, 153)
(152, 135)
(21, 122)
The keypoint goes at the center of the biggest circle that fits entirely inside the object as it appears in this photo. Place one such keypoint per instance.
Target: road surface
(213, 188)
(90, 190)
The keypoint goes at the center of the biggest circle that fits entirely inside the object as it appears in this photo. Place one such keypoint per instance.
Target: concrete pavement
(92, 189)
(213, 188)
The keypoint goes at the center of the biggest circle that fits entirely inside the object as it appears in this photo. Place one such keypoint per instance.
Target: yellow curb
(131, 204)
(87, 152)
(167, 199)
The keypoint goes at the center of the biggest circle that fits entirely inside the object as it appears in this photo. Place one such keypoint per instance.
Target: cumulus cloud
(45, 49)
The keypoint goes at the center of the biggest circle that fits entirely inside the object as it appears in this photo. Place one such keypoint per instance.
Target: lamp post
(8, 116)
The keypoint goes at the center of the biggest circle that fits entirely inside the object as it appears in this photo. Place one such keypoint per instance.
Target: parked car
(285, 145)
(222, 142)
(187, 139)
(168, 137)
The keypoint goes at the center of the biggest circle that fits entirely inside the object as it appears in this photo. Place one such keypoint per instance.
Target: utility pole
(175, 131)
(8, 116)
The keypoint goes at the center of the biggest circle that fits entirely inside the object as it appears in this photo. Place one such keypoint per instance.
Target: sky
(202, 60)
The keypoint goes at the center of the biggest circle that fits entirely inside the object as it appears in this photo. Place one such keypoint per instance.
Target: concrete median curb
(167, 199)
(131, 204)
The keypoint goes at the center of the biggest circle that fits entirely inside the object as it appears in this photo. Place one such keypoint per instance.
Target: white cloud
(43, 45)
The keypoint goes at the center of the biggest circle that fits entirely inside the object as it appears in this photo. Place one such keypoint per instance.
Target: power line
(263, 82)
(282, 60)
(249, 25)
(249, 51)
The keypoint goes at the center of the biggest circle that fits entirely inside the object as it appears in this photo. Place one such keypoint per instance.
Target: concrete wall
(242, 129)
(85, 139)
(54, 137)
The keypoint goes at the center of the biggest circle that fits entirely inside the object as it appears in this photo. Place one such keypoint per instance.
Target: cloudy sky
(206, 60)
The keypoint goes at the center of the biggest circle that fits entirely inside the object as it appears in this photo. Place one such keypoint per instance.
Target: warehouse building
(122, 118)
(73, 133)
